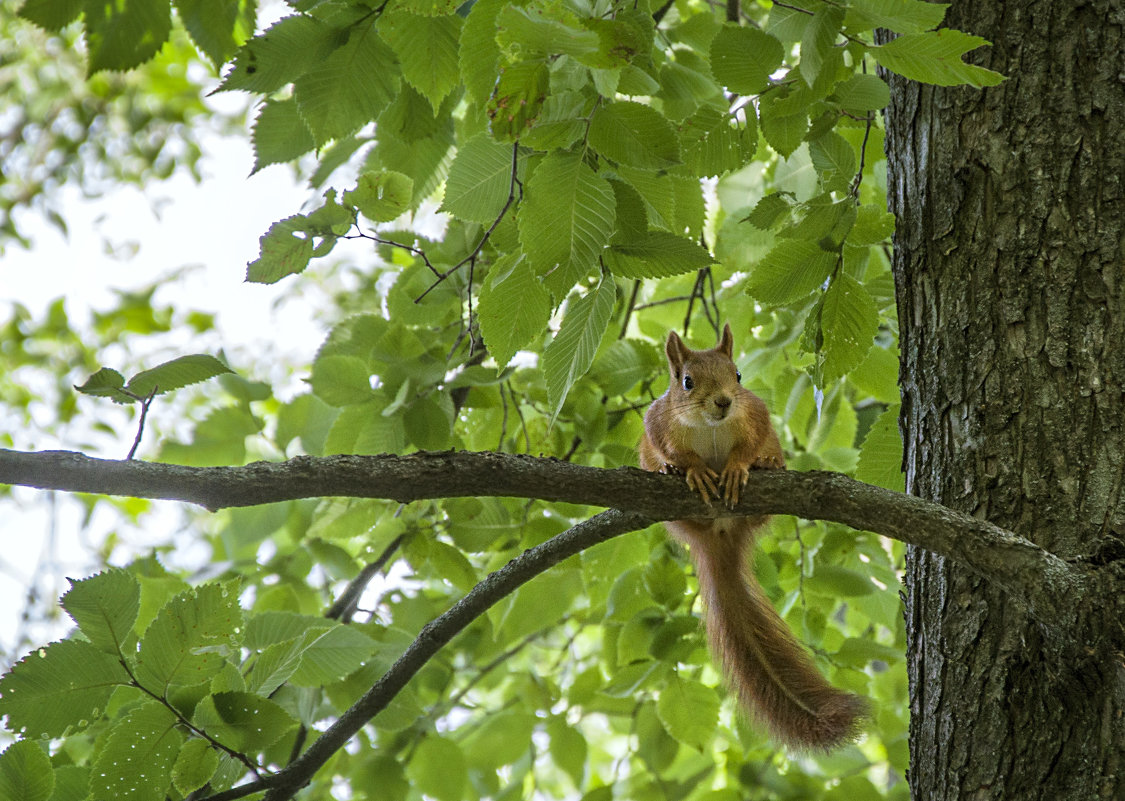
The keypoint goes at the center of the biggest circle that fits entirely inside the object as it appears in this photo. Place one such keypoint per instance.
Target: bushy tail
(771, 672)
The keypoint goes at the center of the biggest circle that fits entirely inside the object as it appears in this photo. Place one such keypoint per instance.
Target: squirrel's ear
(676, 351)
(726, 342)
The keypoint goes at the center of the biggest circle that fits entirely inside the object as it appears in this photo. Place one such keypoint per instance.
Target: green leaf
(531, 32)
(432, 8)
(58, 687)
(861, 94)
(500, 740)
(900, 16)
(26, 773)
(243, 721)
(479, 53)
(560, 123)
(381, 196)
(880, 456)
(658, 192)
(565, 219)
(215, 24)
(52, 15)
(935, 57)
(106, 383)
(568, 748)
(428, 422)
(280, 134)
(715, 143)
(515, 104)
(834, 159)
(190, 639)
(105, 607)
(283, 251)
(877, 375)
(784, 125)
(480, 180)
(872, 226)
(177, 373)
(331, 655)
(818, 41)
(839, 582)
(571, 352)
(742, 58)
(341, 380)
(120, 36)
(280, 55)
(789, 272)
(634, 134)
(426, 47)
(349, 88)
(134, 763)
(689, 711)
(770, 210)
(194, 766)
(848, 323)
(437, 768)
(514, 308)
(656, 254)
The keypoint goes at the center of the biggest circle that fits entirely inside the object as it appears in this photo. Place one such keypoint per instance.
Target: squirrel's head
(704, 381)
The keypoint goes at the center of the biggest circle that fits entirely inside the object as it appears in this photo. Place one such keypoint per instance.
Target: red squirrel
(713, 431)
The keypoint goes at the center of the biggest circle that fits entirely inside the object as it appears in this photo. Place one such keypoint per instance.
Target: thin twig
(145, 403)
(512, 185)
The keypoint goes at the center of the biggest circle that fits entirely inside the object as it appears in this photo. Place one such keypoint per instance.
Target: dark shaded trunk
(1011, 298)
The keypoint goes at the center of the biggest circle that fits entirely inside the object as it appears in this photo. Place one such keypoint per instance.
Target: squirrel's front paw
(768, 463)
(732, 481)
(670, 469)
(702, 480)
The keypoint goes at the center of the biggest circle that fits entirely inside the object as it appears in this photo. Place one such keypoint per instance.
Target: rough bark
(1011, 298)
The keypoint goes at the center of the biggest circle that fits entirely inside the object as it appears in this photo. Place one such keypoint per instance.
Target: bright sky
(215, 225)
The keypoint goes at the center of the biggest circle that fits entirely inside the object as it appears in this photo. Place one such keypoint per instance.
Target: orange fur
(714, 431)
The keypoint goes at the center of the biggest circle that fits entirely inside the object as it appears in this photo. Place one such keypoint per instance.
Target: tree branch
(1047, 585)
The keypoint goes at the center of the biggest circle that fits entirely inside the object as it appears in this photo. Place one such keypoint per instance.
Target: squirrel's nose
(723, 402)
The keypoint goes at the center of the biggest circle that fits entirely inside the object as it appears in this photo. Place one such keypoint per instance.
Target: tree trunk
(1008, 264)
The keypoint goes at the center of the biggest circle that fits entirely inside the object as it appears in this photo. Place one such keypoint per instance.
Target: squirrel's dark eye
(688, 383)
(738, 375)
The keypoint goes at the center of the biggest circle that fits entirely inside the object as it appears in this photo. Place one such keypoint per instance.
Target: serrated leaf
(789, 272)
(431, 8)
(134, 763)
(179, 372)
(243, 721)
(280, 134)
(54, 688)
(120, 36)
(349, 88)
(426, 47)
(480, 180)
(872, 226)
(106, 383)
(743, 58)
(784, 124)
(331, 655)
(217, 26)
(689, 711)
(818, 41)
(834, 159)
(770, 210)
(105, 607)
(194, 766)
(51, 15)
(900, 16)
(880, 456)
(479, 53)
(848, 324)
(560, 123)
(26, 772)
(656, 254)
(531, 32)
(500, 740)
(283, 251)
(571, 352)
(514, 308)
(935, 57)
(437, 769)
(568, 749)
(341, 380)
(190, 639)
(715, 143)
(381, 196)
(280, 55)
(658, 192)
(565, 220)
(275, 627)
(518, 98)
(861, 94)
(634, 134)
(428, 422)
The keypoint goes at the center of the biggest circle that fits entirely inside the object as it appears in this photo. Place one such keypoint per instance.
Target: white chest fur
(713, 442)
